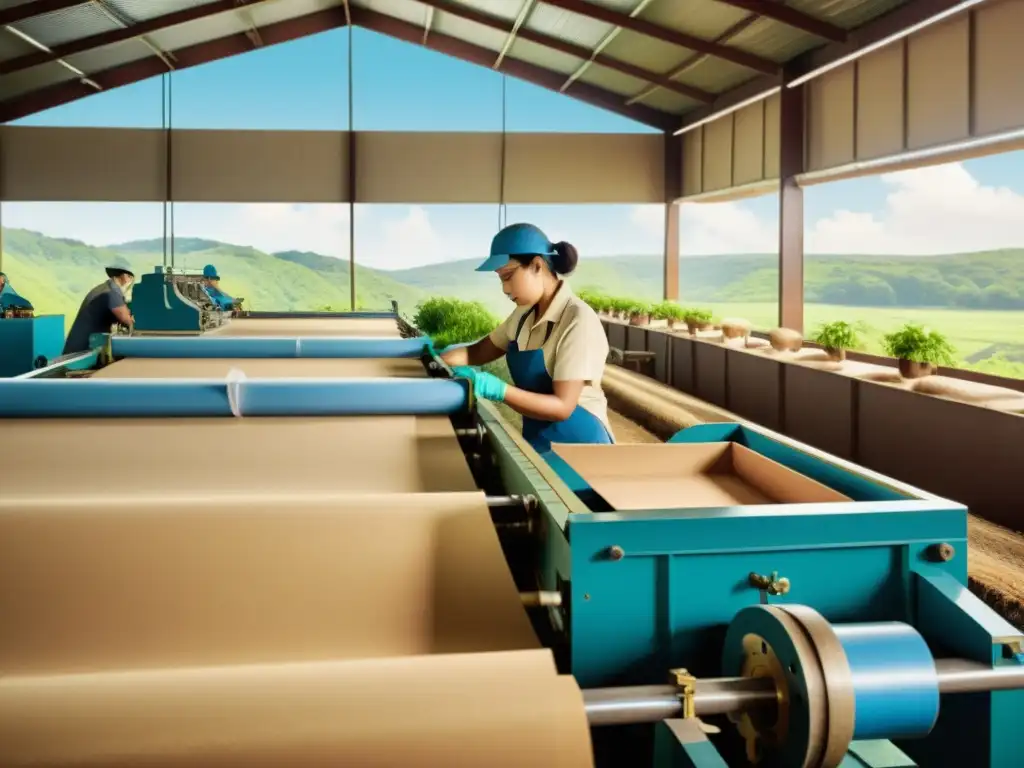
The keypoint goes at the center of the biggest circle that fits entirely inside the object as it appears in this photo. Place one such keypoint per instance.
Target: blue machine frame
(29, 343)
(650, 591)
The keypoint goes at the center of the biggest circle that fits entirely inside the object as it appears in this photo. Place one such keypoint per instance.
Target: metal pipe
(651, 703)
(724, 695)
(541, 599)
(963, 676)
(512, 502)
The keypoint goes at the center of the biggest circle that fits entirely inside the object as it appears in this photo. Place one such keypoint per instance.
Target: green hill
(54, 273)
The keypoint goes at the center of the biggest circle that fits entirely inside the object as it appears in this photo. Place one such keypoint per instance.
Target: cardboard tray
(690, 476)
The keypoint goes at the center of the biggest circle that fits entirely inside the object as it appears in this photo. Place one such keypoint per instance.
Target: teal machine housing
(164, 301)
(646, 592)
(29, 343)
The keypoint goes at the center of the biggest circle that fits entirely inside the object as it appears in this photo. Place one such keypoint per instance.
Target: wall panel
(80, 164)
(830, 119)
(880, 103)
(110, 164)
(693, 162)
(427, 167)
(748, 144)
(998, 64)
(718, 154)
(772, 136)
(584, 168)
(259, 166)
(938, 84)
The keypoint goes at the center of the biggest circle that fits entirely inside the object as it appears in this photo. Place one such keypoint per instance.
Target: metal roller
(264, 347)
(234, 396)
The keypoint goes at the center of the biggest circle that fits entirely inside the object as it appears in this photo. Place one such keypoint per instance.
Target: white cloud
(939, 209)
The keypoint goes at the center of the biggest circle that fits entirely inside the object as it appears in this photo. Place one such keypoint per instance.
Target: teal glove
(485, 385)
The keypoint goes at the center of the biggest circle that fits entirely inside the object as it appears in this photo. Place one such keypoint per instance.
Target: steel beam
(131, 32)
(791, 209)
(673, 191)
(671, 36)
(572, 49)
(192, 56)
(791, 17)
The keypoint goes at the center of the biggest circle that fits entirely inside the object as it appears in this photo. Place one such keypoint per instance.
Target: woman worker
(211, 285)
(553, 342)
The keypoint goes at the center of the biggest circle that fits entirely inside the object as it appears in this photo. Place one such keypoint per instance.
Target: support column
(351, 175)
(791, 209)
(673, 191)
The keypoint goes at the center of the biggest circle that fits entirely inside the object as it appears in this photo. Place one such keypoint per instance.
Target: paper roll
(112, 584)
(82, 458)
(506, 710)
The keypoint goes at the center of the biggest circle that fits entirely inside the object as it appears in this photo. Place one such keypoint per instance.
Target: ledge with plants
(919, 351)
(837, 338)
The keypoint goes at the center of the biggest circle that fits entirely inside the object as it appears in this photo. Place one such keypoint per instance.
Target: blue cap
(516, 240)
(210, 272)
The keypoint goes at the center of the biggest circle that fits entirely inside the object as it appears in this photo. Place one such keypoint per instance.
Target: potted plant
(837, 337)
(670, 312)
(639, 313)
(621, 307)
(918, 350)
(698, 320)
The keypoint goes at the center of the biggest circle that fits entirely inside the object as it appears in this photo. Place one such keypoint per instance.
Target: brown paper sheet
(107, 585)
(689, 476)
(507, 710)
(161, 458)
(189, 368)
(381, 328)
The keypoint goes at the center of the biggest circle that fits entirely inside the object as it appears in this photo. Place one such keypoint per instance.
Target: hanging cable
(502, 208)
(170, 163)
(167, 158)
(351, 183)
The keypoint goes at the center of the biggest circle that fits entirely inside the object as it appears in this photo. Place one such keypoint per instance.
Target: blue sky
(398, 86)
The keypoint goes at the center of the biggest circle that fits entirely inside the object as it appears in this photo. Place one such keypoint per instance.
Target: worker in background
(211, 284)
(9, 298)
(102, 307)
(554, 344)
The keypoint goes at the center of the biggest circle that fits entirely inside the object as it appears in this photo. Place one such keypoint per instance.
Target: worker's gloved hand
(485, 385)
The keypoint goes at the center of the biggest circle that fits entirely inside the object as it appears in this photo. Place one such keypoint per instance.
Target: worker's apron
(529, 372)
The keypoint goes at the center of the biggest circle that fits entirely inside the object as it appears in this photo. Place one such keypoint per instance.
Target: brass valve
(772, 584)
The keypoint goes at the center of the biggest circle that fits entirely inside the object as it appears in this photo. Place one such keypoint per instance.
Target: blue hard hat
(210, 272)
(515, 240)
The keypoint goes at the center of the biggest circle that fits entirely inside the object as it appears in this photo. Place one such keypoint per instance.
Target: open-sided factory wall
(100, 164)
(736, 150)
(949, 83)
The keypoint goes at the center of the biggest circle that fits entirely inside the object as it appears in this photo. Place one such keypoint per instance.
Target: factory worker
(102, 307)
(9, 298)
(211, 284)
(554, 344)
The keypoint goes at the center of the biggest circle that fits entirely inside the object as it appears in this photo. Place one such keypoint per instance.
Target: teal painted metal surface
(680, 744)
(29, 343)
(157, 306)
(655, 589)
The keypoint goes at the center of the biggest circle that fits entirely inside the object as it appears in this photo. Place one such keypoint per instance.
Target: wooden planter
(836, 353)
(639, 319)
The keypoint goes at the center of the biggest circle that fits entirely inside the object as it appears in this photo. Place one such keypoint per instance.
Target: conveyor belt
(383, 328)
(264, 591)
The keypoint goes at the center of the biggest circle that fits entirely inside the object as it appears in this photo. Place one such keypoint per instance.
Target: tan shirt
(575, 350)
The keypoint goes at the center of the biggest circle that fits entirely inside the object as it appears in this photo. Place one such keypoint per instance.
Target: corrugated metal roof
(645, 58)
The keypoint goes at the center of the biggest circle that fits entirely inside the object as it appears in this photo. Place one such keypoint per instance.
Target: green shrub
(838, 335)
(596, 300)
(620, 304)
(694, 315)
(453, 321)
(669, 310)
(637, 307)
(919, 344)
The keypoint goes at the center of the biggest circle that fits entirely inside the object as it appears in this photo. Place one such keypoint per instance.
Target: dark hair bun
(565, 258)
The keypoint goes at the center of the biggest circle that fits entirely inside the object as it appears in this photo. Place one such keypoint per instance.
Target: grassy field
(976, 334)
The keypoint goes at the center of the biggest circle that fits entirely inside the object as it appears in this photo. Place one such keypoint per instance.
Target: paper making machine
(820, 619)
(173, 301)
